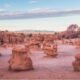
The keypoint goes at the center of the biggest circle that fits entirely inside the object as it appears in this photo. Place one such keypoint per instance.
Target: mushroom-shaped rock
(50, 49)
(76, 63)
(20, 60)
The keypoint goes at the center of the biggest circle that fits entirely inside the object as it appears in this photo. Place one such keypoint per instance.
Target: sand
(45, 68)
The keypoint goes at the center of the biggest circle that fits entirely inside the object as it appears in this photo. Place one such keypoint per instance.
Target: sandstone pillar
(76, 63)
(50, 49)
(20, 60)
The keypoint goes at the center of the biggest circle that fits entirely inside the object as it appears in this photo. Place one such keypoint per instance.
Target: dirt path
(45, 68)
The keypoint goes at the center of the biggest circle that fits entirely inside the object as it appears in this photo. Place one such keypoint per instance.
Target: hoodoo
(20, 61)
(50, 49)
(76, 63)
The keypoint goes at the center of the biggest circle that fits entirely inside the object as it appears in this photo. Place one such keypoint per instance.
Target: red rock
(76, 63)
(20, 60)
(50, 49)
(77, 56)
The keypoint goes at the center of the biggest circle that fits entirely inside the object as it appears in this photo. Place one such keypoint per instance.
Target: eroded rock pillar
(20, 61)
(50, 49)
(76, 63)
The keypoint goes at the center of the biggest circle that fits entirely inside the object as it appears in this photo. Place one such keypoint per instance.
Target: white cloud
(33, 1)
(49, 10)
(42, 10)
(1, 10)
(4, 8)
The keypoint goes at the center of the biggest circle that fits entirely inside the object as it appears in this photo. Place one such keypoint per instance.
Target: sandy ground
(44, 68)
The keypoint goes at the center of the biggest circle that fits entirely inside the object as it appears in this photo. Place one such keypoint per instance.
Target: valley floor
(45, 68)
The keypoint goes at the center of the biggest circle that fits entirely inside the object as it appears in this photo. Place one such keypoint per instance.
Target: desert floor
(45, 68)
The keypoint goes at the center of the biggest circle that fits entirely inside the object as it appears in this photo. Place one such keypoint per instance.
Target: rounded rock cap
(19, 50)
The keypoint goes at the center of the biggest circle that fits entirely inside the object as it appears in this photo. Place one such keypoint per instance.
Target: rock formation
(11, 37)
(50, 49)
(76, 63)
(78, 43)
(20, 61)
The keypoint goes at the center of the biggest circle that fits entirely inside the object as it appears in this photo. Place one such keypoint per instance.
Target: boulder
(76, 63)
(34, 45)
(50, 49)
(20, 61)
(77, 56)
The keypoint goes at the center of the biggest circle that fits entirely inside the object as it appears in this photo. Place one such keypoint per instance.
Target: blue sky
(53, 15)
(24, 5)
(37, 8)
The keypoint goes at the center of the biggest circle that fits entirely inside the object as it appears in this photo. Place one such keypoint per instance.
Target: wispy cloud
(33, 1)
(41, 10)
(2, 10)
(37, 13)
